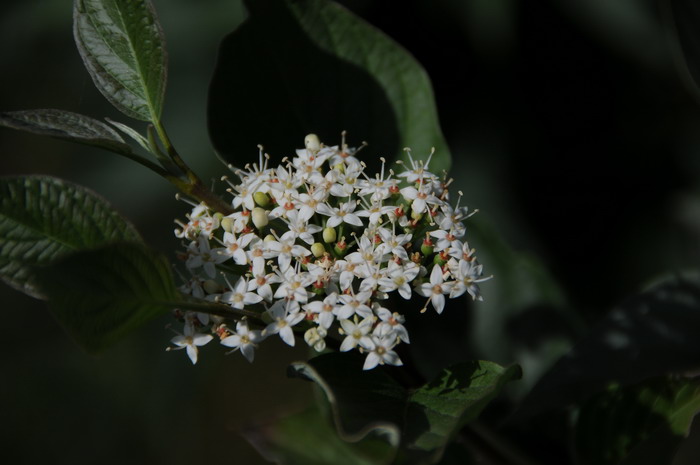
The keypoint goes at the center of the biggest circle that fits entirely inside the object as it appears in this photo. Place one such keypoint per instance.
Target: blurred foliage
(570, 130)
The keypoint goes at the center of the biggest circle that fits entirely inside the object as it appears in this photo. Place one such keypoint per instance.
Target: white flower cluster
(316, 245)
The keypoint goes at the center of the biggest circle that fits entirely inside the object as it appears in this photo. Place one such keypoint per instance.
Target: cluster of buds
(316, 245)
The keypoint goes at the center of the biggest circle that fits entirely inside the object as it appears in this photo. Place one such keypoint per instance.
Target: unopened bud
(269, 238)
(211, 286)
(440, 259)
(329, 235)
(340, 247)
(261, 199)
(318, 249)
(260, 219)
(426, 247)
(227, 224)
(312, 143)
(415, 215)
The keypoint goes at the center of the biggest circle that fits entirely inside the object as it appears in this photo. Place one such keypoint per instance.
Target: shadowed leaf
(296, 67)
(101, 295)
(421, 422)
(43, 219)
(66, 125)
(637, 425)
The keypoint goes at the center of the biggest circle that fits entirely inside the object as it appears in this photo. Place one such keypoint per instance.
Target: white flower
(382, 353)
(234, 247)
(435, 289)
(399, 276)
(357, 334)
(239, 297)
(354, 305)
(342, 214)
(283, 320)
(190, 340)
(324, 309)
(285, 249)
(244, 340)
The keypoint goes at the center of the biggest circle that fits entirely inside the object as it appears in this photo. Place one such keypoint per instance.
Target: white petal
(287, 335)
(352, 219)
(371, 361)
(192, 353)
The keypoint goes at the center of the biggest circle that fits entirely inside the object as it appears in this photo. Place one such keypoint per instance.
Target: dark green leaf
(421, 421)
(455, 398)
(122, 46)
(309, 439)
(100, 295)
(641, 424)
(658, 326)
(66, 125)
(43, 219)
(296, 67)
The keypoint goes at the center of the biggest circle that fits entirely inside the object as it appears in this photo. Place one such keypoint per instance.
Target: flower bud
(341, 247)
(260, 219)
(318, 249)
(440, 259)
(269, 238)
(329, 235)
(426, 247)
(312, 143)
(211, 286)
(415, 215)
(261, 199)
(227, 224)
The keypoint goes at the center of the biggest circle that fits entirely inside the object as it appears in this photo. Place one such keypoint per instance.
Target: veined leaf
(102, 294)
(641, 424)
(44, 218)
(420, 422)
(66, 125)
(122, 46)
(296, 67)
(307, 438)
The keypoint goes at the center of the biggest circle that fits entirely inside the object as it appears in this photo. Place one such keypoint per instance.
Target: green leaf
(308, 438)
(66, 125)
(101, 295)
(44, 218)
(455, 398)
(658, 326)
(640, 424)
(297, 67)
(122, 46)
(421, 422)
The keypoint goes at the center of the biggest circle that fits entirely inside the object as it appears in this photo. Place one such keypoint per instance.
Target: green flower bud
(426, 247)
(227, 224)
(329, 235)
(439, 259)
(260, 219)
(318, 249)
(341, 247)
(269, 238)
(261, 199)
(211, 286)
(415, 215)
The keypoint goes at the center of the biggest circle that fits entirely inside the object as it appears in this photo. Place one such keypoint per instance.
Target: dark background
(570, 130)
